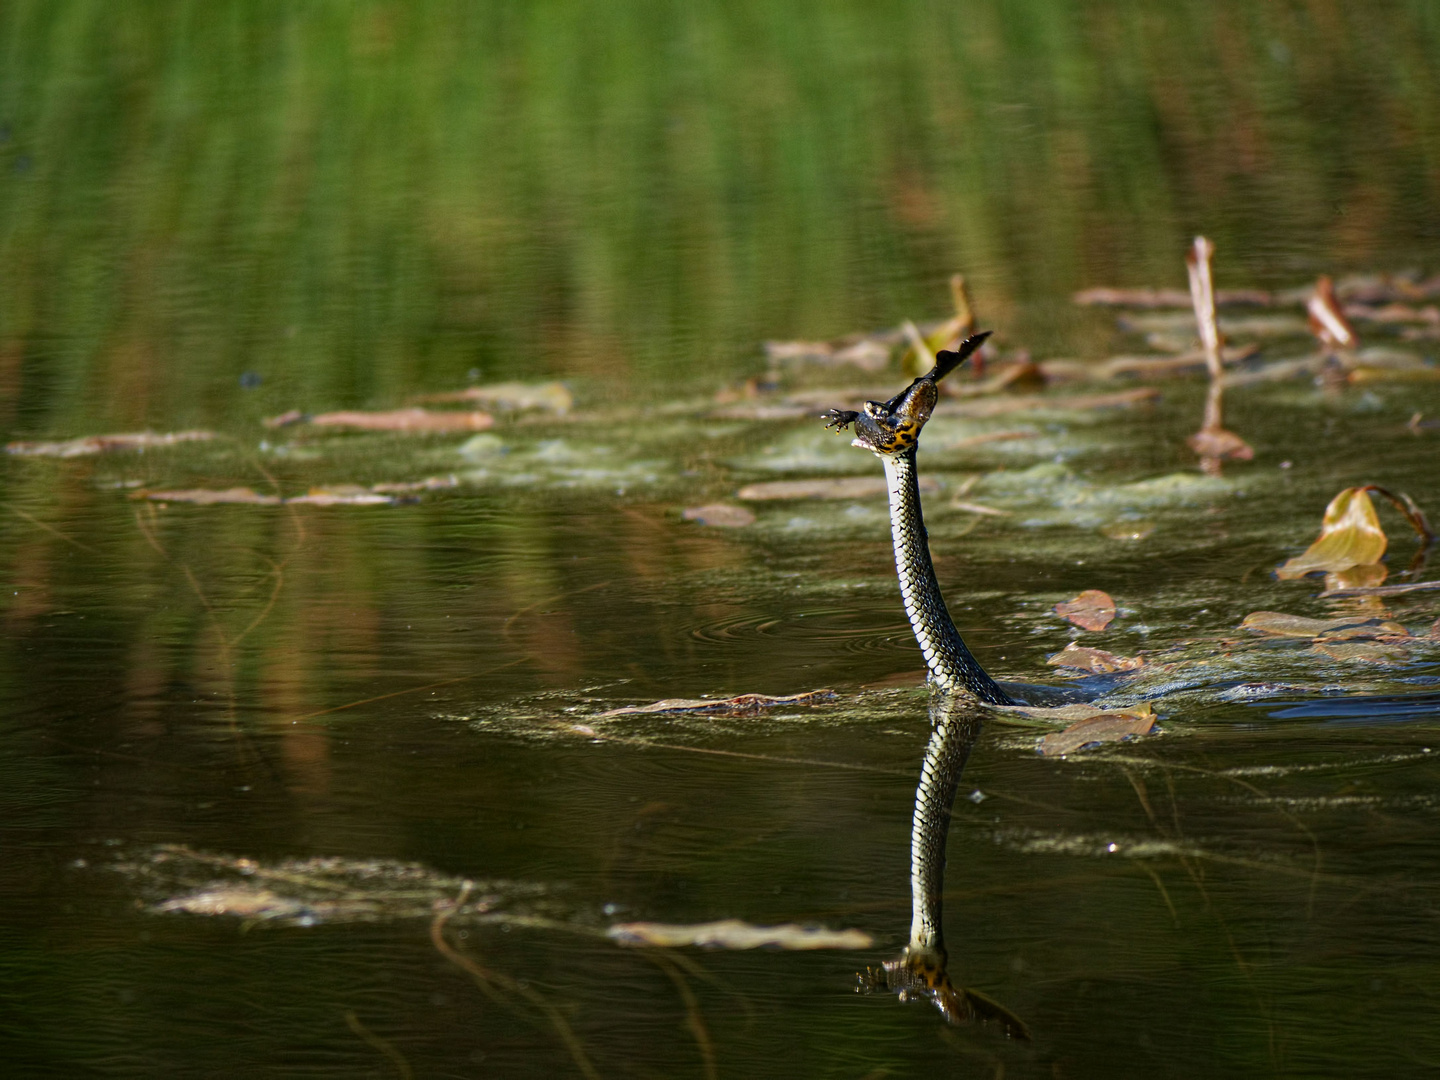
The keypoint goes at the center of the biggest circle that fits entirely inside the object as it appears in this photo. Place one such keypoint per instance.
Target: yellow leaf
(1350, 535)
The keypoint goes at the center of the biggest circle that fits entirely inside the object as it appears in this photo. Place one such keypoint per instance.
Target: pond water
(303, 789)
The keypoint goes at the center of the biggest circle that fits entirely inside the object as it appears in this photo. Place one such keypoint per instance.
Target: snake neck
(951, 665)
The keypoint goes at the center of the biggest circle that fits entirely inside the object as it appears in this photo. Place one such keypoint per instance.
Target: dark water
(213, 213)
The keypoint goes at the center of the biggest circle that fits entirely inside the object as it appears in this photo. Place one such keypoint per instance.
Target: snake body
(952, 667)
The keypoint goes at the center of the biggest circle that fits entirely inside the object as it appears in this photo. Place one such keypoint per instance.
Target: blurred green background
(357, 199)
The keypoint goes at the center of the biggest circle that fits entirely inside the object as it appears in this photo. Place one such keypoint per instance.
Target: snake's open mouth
(893, 427)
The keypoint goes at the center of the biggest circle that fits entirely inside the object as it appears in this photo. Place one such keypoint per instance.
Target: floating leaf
(1091, 610)
(845, 487)
(210, 496)
(735, 934)
(1350, 535)
(719, 514)
(742, 704)
(1096, 660)
(1107, 727)
(104, 444)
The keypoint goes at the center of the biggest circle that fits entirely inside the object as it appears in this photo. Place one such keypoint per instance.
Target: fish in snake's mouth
(893, 427)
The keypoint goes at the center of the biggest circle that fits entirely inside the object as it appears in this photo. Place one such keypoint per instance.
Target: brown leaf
(719, 514)
(740, 705)
(735, 934)
(210, 496)
(845, 487)
(1096, 660)
(1107, 727)
(405, 421)
(1091, 610)
(1350, 535)
(103, 444)
(1369, 652)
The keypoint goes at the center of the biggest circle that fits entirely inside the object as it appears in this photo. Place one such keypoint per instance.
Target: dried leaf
(210, 496)
(1091, 610)
(1369, 652)
(741, 705)
(414, 421)
(720, 515)
(1107, 727)
(1350, 535)
(516, 396)
(845, 487)
(103, 444)
(1096, 660)
(735, 934)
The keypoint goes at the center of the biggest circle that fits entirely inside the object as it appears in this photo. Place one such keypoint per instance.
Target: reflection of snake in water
(892, 431)
(922, 969)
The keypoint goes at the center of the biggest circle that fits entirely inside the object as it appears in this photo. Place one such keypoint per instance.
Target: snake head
(893, 427)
